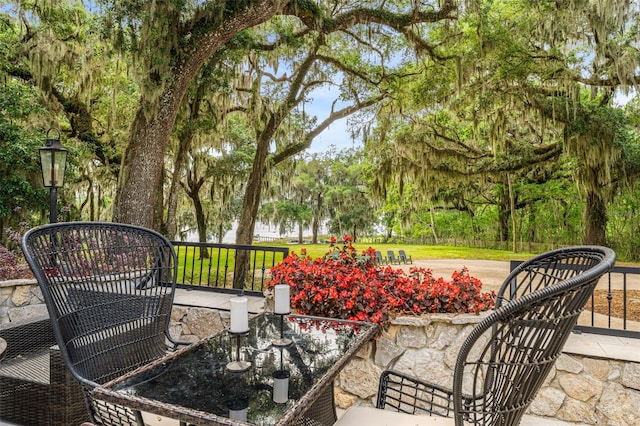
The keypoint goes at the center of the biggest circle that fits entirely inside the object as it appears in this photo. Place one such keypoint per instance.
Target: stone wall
(191, 324)
(580, 390)
(20, 300)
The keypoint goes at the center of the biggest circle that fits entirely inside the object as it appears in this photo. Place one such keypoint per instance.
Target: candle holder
(282, 341)
(238, 365)
(280, 386)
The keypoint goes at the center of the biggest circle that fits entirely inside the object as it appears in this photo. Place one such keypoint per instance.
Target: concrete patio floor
(152, 420)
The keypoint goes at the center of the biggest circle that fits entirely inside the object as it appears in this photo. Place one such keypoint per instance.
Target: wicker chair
(35, 386)
(506, 357)
(109, 291)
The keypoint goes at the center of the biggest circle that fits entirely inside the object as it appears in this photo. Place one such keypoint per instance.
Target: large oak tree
(172, 40)
(531, 83)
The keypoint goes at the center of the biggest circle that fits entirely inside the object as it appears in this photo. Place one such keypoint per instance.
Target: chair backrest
(391, 255)
(402, 255)
(109, 290)
(545, 270)
(506, 358)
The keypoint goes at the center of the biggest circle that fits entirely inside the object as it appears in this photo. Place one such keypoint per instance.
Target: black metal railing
(612, 318)
(210, 266)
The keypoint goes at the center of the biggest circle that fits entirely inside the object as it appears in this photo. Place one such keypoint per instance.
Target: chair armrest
(411, 395)
(175, 344)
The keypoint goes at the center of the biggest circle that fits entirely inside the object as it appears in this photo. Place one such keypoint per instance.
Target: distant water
(261, 229)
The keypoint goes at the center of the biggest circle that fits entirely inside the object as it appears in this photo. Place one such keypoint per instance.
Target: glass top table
(281, 385)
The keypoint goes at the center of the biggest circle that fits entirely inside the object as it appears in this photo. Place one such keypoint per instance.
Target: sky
(337, 133)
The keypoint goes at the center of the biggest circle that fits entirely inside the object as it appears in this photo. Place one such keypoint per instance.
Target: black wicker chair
(506, 358)
(109, 291)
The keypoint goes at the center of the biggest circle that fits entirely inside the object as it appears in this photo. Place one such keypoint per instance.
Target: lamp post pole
(53, 159)
(53, 204)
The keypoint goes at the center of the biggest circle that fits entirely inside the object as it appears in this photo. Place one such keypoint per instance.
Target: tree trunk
(512, 210)
(202, 223)
(249, 212)
(595, 219)
(143, 161)
(315, 224)
(220, 233)
(141, 168)
(432, 217)
(170, 226)
(503, 214)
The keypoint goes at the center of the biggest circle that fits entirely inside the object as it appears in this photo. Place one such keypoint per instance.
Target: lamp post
(53, 159)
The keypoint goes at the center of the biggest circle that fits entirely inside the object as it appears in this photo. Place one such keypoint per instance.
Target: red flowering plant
(345, 284)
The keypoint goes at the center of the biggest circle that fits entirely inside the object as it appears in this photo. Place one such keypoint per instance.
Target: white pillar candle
(282, 303)
(239, 314)
(240, 415)
(280, 386)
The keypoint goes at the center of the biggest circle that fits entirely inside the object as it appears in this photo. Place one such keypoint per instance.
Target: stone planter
(425, 346)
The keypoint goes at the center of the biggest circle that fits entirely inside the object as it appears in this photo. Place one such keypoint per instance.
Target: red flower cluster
(344, 284)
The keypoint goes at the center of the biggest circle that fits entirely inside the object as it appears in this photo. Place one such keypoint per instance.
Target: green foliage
(19, 145)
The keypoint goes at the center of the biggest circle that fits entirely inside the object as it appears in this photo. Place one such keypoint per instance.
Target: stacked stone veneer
(20, 300)
(580, 389)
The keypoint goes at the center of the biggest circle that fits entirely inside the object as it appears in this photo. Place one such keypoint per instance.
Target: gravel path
(491, 272)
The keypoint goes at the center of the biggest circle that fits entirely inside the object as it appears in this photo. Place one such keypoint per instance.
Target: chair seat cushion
(369, 416)
(30, 367)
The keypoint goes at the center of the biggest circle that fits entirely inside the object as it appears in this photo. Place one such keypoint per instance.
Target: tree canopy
(194, 113)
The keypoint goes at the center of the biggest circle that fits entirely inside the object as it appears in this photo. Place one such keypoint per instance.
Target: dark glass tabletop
(280, 380)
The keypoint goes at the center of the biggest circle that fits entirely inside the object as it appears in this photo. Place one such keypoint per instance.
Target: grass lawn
(217, 270)
(417, 252)
(220, 266)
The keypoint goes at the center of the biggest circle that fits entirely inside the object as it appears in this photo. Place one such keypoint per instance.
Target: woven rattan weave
(506, 358)
(109, 290)
(35, 386)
